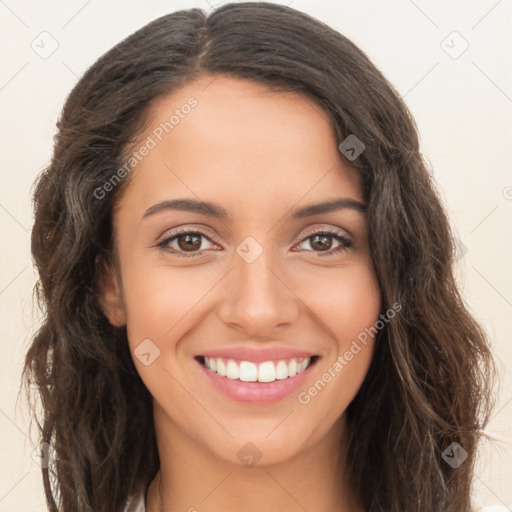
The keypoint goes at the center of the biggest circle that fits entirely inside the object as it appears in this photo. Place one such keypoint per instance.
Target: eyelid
(182, 230)
(346, 242)
(164, 239)
(175, 232)
(329, 229)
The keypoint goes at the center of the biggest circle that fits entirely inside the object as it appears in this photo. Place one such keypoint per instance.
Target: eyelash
(345, 243)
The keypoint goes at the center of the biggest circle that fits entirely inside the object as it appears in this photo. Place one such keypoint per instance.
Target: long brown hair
(430, 381)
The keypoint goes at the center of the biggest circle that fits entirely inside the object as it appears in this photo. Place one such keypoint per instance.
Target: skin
(258, 154)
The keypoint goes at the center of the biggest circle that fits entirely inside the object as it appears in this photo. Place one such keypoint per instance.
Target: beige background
(462, 104)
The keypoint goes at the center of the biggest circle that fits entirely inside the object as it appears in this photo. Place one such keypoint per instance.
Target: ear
(110, 294)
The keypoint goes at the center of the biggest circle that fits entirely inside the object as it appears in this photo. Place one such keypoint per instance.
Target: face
(273, 292)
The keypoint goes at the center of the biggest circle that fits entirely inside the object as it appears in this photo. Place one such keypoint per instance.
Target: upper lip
(257, 355)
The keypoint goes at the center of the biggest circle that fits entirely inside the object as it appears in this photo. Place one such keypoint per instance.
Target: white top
(135, 504)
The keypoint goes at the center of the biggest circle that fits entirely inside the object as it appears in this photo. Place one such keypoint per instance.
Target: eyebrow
(218, 212)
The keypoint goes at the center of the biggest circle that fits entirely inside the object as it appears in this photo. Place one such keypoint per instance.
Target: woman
(247, 280)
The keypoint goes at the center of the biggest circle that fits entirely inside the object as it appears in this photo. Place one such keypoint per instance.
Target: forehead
(241, 140)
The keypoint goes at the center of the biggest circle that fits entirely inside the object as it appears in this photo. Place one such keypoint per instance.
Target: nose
(257, 300)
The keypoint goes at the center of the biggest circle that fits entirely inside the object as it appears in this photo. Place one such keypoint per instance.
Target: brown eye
(184, 243)
(321, 242)
(189, 242)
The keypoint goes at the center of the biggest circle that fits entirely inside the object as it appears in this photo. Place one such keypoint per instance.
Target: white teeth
(293, 368)
(281, 370)
(267, 372)
(247, 371)
(232, 370)
(221, 367)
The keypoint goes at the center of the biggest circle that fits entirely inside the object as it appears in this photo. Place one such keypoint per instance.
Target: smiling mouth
(261, 372)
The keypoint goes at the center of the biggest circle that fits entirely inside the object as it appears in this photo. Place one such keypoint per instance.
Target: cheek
(346, 303)
(349, 308)
(160, 310)
(158, 300)
(356, 306)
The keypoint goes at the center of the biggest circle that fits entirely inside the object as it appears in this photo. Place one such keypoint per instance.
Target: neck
(191, 478)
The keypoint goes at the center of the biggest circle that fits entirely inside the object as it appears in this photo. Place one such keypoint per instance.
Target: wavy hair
(430, 381)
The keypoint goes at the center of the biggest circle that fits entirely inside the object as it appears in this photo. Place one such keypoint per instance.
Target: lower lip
(260, 393)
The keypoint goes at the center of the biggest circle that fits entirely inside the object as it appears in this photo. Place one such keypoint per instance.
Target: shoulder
(135, 504)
